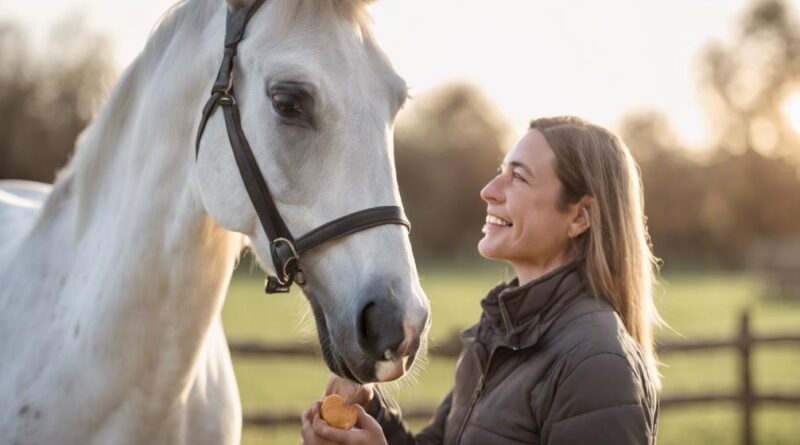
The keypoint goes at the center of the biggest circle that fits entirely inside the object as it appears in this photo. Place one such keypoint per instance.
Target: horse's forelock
(353, 11)
(347, 6)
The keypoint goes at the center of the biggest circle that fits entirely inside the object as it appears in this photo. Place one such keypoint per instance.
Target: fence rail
(743, 343)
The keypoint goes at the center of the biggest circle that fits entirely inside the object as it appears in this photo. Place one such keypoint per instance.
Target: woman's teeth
(491, 219)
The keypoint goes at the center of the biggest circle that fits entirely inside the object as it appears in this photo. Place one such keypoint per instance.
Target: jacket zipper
(476, 395)
(504, 314)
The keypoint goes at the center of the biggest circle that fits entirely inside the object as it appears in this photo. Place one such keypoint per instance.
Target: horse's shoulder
(20, 203)
(30, 190)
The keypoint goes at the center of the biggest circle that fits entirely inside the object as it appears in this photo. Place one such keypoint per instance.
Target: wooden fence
(743, 343)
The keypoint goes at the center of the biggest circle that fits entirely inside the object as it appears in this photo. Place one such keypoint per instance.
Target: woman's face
(524, 225)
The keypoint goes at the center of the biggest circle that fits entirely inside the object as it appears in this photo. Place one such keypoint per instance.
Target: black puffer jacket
(547, 364)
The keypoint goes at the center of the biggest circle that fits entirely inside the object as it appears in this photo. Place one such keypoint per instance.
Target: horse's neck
(146, 266)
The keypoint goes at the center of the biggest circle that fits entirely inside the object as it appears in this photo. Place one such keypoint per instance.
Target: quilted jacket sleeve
(601, 401)
(396, 431)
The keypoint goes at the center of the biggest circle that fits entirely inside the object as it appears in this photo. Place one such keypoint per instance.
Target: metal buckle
(282, 281)
(287, 278)
(273, 286)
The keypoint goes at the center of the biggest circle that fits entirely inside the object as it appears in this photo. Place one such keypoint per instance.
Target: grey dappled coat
(547, 364)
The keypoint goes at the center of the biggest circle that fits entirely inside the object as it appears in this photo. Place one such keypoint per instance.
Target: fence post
(747, 398)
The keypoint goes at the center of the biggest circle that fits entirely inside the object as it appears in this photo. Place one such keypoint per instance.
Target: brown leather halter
(284, 248)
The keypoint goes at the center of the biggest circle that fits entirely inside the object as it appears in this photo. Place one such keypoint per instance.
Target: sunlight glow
(791, 111)
(532, 59)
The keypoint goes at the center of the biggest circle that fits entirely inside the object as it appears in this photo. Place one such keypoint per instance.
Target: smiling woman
(563, 353)
(524, 224)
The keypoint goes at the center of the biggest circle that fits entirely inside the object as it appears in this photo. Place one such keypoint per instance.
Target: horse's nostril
(364, 325)
(381, 331)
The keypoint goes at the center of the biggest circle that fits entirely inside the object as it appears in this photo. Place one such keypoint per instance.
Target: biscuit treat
(337, 413)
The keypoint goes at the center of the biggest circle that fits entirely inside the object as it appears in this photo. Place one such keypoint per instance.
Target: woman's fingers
(333, 385)
(371, 432)
(366, 422)
(364, 394)
(327, 432)
(350, 391)
(308, 433)
(317, 432)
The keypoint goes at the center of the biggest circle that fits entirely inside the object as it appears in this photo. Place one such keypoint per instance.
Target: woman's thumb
(365, 421)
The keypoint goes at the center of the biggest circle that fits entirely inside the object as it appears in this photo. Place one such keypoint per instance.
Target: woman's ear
(581, 220)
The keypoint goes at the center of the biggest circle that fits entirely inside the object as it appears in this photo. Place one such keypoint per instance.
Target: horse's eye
(287, 105)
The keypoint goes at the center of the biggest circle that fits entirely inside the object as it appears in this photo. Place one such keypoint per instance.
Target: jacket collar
(516, 316)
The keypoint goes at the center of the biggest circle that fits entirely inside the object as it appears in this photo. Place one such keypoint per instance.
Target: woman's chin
(487, 249)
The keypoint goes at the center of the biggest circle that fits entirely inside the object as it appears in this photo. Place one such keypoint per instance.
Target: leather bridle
(284, 248)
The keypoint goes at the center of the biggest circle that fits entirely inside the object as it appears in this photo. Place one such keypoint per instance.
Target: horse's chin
(368, 372)
(364, 370)
(338, 366)
(335, 361)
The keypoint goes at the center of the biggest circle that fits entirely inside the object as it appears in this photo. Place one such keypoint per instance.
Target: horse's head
(317, 100)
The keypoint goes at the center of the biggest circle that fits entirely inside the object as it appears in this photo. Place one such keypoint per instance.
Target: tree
(747, 81)
(46, 101)
(448, 146)
(714, 211)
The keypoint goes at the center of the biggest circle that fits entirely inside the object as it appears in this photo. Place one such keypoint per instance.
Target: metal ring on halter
(287, 278)
(226, 99)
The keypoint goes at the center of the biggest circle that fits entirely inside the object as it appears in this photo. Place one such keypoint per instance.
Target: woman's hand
(350, 391)
(317, 432)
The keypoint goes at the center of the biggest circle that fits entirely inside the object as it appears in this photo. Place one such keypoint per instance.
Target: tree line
(702, 211)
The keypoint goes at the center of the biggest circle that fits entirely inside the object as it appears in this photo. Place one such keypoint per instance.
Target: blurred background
(705, 94)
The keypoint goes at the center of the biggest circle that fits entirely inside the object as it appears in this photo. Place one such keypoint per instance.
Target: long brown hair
(615, 253)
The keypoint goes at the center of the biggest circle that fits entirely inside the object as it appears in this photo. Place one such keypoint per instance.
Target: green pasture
(695, 305)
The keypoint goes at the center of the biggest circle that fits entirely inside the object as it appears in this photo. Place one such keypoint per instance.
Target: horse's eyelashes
(293, 106)
(287, 104)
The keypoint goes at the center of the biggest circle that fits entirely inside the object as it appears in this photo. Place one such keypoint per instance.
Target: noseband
(284, 248)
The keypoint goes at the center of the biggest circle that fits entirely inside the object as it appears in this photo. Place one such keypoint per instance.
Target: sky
(596, 59)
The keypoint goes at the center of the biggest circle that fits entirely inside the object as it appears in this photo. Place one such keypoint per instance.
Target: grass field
(695, 305)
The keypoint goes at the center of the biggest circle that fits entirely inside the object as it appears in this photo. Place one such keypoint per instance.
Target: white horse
(112, 283)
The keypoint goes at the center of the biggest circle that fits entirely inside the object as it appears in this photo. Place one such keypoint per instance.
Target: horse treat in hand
(338, 413)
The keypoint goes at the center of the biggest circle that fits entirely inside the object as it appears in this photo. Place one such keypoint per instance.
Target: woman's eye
(287, 105)
(516, 176)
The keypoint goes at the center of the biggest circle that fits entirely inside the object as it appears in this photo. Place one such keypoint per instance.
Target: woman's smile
(495, 223)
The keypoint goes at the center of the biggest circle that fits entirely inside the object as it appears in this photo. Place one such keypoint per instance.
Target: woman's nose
(491, 192)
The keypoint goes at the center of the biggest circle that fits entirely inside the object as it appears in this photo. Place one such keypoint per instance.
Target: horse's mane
(99, 141)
